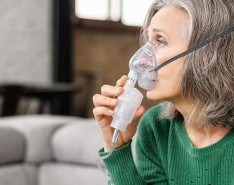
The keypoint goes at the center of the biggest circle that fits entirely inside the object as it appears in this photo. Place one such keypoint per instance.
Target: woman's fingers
(99, 112)
(111, 91)
(105, 102)
(102, 111)
(121, 82)
(100, 100)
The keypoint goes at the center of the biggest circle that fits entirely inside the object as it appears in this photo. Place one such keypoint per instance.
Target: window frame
(100, 24)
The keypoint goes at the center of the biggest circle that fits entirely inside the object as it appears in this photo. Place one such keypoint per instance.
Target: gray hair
(207, 75)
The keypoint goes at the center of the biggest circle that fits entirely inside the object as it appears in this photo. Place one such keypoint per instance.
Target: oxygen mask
(143, 63)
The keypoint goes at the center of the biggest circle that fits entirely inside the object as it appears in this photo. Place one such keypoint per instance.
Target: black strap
(194, 48)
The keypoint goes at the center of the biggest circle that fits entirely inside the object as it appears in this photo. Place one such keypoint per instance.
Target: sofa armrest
(12, 145)
(37, 131)
(77, 142)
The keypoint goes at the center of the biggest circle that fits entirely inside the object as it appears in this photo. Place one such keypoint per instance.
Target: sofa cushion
(18, 174)
(37, 129)
(12, 145)
(77, 142)
(65, 174)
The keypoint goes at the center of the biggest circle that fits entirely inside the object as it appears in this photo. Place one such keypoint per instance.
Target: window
(129, 12)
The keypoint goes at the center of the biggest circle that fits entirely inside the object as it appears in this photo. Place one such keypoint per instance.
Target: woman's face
(167, 31)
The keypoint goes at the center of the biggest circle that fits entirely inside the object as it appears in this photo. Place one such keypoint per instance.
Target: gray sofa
(49, 150)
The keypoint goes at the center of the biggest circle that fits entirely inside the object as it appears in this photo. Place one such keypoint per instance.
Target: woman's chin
(150, 95)
(154, 95)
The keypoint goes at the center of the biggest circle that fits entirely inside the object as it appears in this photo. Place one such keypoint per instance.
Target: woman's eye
(161, 41)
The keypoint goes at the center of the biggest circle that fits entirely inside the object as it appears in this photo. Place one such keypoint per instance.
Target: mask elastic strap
(194, 48)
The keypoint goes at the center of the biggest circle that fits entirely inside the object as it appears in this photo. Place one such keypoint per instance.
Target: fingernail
(112, 101)
(110, 111)
(118, 89)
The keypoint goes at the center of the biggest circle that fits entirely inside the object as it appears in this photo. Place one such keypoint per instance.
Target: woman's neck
(203, 137)
(199, 136)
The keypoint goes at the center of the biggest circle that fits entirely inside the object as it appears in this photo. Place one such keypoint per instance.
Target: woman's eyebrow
(158, 30)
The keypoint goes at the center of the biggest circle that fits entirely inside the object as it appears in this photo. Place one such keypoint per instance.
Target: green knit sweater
(165, 155)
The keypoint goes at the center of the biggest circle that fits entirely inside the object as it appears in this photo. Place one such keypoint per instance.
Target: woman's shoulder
(154, 112)
(155, 132)
(154, 116)
(153, 121)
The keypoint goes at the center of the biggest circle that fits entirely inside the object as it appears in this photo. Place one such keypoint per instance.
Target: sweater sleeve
(122, 169)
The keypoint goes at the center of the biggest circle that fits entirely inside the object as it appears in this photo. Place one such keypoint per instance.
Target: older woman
(188, 138)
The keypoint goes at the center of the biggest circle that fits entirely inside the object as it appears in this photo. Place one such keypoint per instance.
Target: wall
(25, 41)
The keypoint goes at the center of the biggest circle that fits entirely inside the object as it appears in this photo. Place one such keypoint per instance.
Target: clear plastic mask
(143, 62)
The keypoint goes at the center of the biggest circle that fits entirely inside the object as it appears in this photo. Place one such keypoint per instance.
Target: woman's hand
(103, 111)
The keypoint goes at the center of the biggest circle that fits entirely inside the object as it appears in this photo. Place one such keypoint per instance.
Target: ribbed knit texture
(166, 156)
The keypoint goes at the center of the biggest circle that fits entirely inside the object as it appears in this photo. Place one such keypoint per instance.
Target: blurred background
(55, 55)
